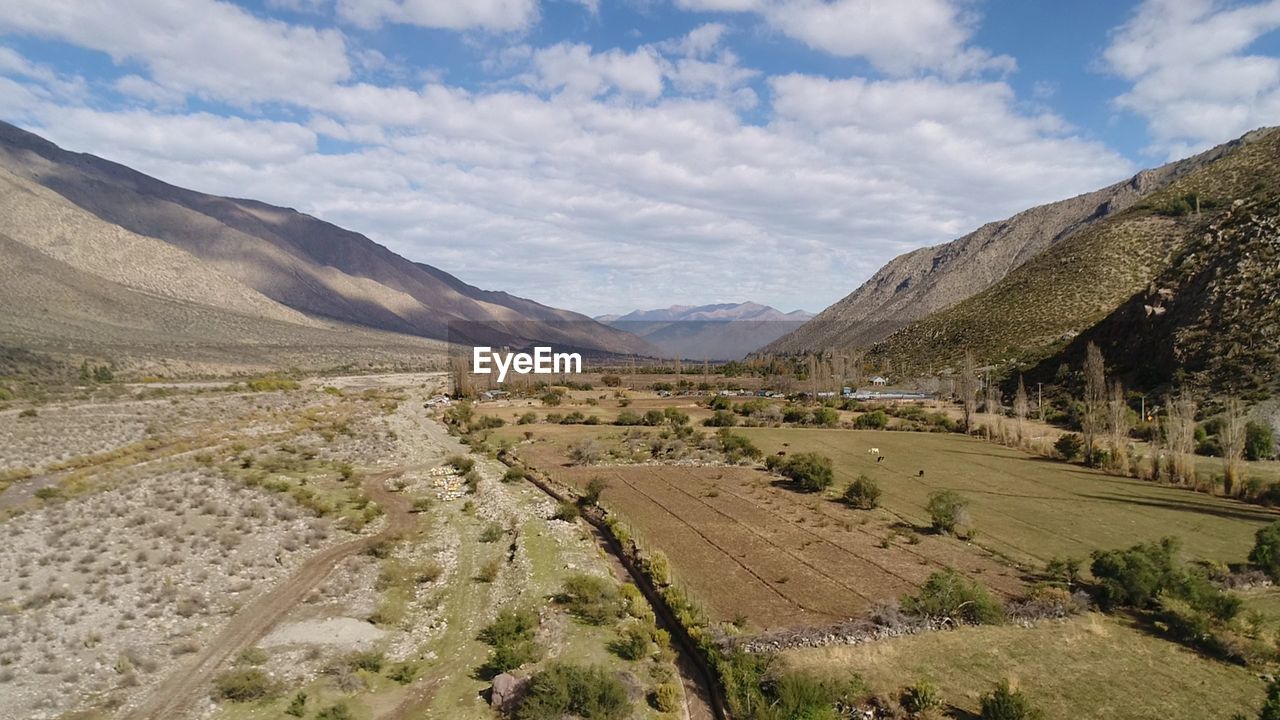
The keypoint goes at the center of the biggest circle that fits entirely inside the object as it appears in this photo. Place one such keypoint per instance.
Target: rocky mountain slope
(925, 281)
(725, 331)
(258, 262)
(1039, 308)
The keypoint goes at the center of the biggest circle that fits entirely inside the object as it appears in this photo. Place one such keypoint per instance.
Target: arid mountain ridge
(930, 279)
(241, 271)
(722, 331)
(1029, 292)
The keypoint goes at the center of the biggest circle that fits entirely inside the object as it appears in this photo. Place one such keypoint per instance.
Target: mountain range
(726, 331)
(100, 256)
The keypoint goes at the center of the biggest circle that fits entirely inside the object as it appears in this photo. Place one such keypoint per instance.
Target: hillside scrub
(564, 689)
(948, 594)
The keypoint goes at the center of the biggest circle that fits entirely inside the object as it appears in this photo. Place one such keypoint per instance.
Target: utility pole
(1040, 400)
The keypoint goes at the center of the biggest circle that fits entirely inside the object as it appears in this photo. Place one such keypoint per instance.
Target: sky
(609, 155)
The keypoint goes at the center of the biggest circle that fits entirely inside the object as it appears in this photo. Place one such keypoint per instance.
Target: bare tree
(968, 387)
(460, 373)
(1021, 406)
(1093, 418)
(1118, 425)
(1233, 440)
(1180, 440)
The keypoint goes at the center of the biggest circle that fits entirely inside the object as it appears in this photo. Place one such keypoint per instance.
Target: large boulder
(506, 692)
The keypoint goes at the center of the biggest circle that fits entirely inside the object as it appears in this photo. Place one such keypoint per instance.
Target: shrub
(1134, 577)
(1005, 703)
(336, 712)
(635, 641)
(367, 660)
(721, 418)
(948, 594)
(593, 599)
(862, 493)
(736, 448)
(666, 697)
(489, 571)
(297, 706)
(244, 685)
(587, 451)
(874, 420)
(491, 533)
(1266, 550)
(948, 511)
(461, 463)
(628, 418)
(810, 472)
(566, 511)
(611, 380)
(566, 689)
(1259, 441)
(658, 567)
(511, 635)
(528, 418)
(1271, 708)
(513, 475)
(920, 698)
(595, 486)
(825, 417)
(403, 673)
(1068, 446)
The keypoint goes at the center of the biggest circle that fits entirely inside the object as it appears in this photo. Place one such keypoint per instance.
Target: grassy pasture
(1026, 508)
(1087, 667)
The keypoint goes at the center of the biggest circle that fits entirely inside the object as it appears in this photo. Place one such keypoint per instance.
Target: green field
(1088, 667)
(1026, 508)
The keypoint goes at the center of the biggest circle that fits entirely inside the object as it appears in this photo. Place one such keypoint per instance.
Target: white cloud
(574, 69)
(602, 180)
(202, 47)
(1194, 81)
(900, 38)
(492, 15)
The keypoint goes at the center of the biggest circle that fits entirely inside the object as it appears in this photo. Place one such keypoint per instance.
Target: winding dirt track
(179, 690)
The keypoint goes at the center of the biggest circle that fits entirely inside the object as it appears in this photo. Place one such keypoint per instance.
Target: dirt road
(180, 689)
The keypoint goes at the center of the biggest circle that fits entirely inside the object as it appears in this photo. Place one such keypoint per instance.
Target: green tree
(1259, 441)
(563, 689)
(1069, 446)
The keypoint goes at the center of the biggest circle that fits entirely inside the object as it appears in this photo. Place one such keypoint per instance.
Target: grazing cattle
(921, 474)
(880, 459)
(873, 451)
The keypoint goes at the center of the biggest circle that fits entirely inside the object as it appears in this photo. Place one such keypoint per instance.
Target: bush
(948, 594)
(1134, 577)
(297, 706)
(666, 697)
(587, 451)
(1068, 446)
(1266, 550)
(1005, 703)
(565, 689)
(336, 712)
(592, 599)
(513, 475)
(721, 418)
(921, 697)
(566, 511)
(628, 418)
(810, 472)
(461, 463)
(595, 486)
(491, 533)
(511, 635)
(611, 380)
(874, 420)
(528, 418)
(244, 685)
(862, 493)
(1260, 443)
(635, 641)
(736, 448)
(948, 511)
(825, 417)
